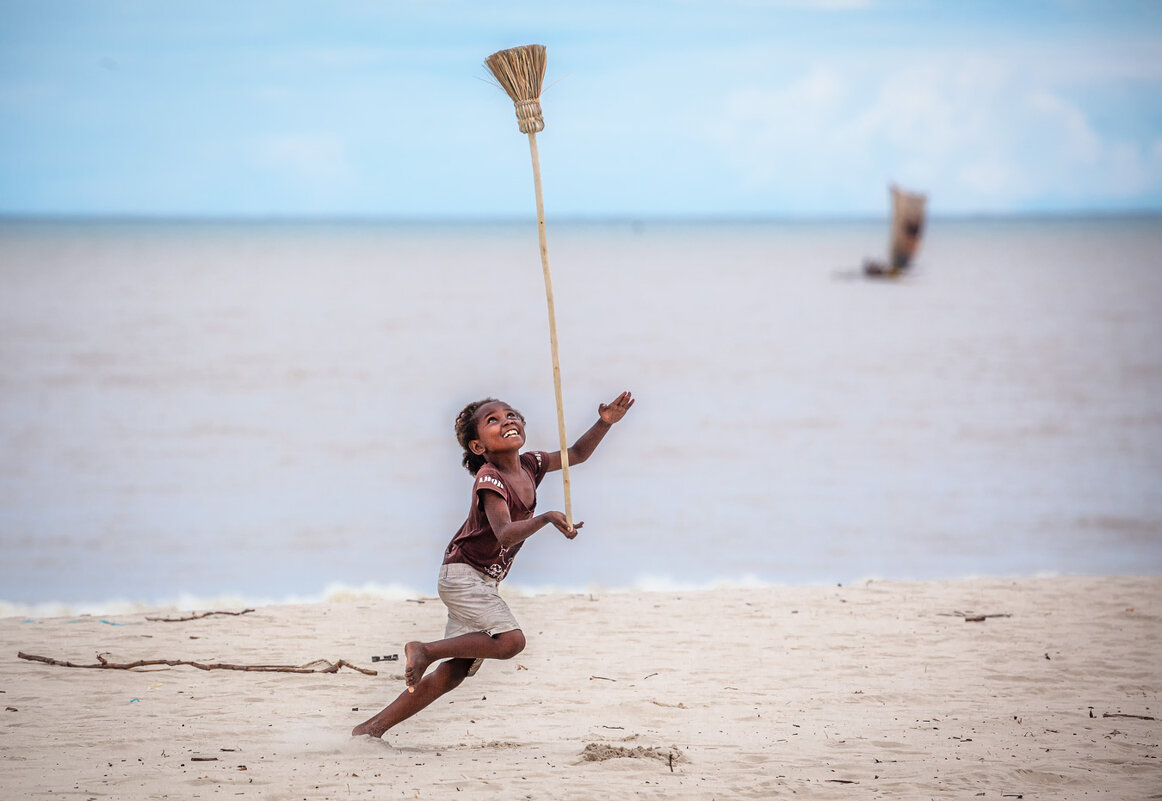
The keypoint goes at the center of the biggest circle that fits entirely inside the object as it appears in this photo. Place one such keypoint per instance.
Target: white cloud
(1109, 167)
(810, 5)
(1077, 139)
(977, 128)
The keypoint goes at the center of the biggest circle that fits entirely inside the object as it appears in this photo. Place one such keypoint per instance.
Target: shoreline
(339, 593)
(888, 688)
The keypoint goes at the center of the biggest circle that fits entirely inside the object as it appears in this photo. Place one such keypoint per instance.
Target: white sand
(876, 690)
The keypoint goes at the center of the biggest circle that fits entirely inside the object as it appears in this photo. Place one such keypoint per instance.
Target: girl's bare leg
(477, 645)
(459, 653)
(446, 677)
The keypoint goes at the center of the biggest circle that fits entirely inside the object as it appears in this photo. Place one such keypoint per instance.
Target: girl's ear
(477, 447)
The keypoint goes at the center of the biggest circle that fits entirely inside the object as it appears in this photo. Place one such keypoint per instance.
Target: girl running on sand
(504, 499)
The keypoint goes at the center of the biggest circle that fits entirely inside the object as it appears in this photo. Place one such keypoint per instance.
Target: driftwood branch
(1124, 715)
(195, 617)
(318, 666)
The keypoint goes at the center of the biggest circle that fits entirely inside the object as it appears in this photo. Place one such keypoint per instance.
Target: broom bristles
(520, 71)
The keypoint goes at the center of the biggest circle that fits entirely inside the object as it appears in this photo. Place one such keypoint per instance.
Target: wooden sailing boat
(908, 210)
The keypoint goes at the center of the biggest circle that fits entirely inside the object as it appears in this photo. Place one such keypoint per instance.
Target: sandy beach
(995, 688)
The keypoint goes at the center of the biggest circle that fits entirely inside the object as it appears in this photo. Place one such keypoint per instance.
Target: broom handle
(552, 326)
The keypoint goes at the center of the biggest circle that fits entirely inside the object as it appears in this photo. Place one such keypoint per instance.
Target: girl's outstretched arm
(582, 449)
(509, 532)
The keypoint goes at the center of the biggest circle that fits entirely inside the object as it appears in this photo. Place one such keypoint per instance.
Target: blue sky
(755, 108)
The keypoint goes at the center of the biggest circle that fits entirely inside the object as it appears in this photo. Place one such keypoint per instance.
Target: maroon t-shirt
(475, 543)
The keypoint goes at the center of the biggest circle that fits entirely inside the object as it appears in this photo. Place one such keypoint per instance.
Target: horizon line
(594, 219)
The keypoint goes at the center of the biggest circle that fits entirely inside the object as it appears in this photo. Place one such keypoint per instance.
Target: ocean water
(198, 411)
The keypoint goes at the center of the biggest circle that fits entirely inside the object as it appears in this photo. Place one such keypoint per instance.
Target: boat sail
(908, 212)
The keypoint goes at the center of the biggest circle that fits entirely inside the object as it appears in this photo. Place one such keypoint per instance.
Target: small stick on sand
(1123, 715)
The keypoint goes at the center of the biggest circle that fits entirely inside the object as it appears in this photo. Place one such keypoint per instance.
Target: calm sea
(192, 412)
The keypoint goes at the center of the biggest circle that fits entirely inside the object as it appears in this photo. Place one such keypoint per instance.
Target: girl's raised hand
(612, 412)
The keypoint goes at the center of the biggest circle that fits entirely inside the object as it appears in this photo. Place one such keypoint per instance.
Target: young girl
(504, 499)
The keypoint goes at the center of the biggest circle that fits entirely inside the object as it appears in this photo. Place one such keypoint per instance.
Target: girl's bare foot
(365, 728)
(417, 662)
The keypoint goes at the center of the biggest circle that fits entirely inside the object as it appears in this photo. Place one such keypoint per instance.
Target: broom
(520, 72)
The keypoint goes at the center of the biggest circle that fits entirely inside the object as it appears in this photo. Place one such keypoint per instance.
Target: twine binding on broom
(529, 117)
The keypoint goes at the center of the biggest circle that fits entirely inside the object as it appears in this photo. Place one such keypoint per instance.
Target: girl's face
(499, 428)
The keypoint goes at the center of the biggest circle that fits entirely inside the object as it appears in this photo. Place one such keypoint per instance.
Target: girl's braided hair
(466, 432)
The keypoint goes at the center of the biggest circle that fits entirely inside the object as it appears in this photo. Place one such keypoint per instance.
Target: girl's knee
(511, 643)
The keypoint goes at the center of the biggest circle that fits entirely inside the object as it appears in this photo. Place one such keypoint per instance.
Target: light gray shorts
(474, 604)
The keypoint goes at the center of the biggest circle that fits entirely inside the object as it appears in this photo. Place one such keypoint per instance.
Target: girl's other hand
(558, 520)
